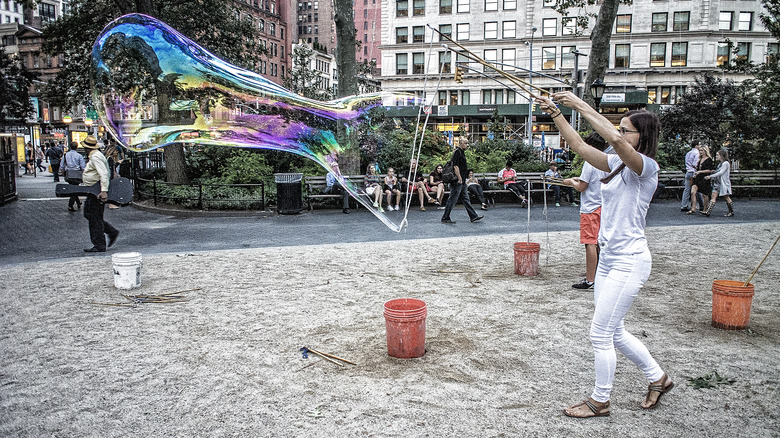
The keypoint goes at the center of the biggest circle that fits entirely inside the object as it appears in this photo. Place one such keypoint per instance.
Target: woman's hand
(566, 98)
(547, 105)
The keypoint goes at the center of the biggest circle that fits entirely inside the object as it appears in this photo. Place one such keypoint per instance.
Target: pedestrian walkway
(38, 226)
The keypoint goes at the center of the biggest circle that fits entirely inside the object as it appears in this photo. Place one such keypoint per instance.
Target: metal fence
(202, 196)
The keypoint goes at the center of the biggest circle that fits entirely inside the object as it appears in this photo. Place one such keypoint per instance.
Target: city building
(315, 23)
(657, 48)
(368, 22)
(271, 18)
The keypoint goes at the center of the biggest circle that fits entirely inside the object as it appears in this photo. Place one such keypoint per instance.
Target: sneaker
(477, 218)
(397, 208)
(584, 284)
(376, 204)
(574, 204)
(524, 203)
(422, 208)
(440, 208)
(729, 214)
(557, 204)
(381, 210)
(447, 221)
(484, 207)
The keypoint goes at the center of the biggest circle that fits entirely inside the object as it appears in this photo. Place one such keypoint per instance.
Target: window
(401, 8)
(491, 5)
(666, 95)
(724, 20)
(510, 96)
(549, 26)
(681, 21)
(508, 58)
(622, 55)
(499, 96)
(445, 62)
(679, 54)
(623, 23)
(465, 97)
(657, 54)
(261, 25)
(567, 57)
(491, 30)
(442, 98)
(487, 97)
(490, 56)
(401, 64)
(659, 22)
(510, 5)
(463, 6)
(463, 32)
(652, 94)
(548, 58)
(47, 12)
(509, 29)
(724, 54)
(772, 52)
(401, 35)
(743, 51)
(445, 29)
(419, 7)
(272, 29)
(418, 34)
(568, 25)
(462, 59)
(548, 3)
(745, 21)
(418, 63)
(365, 25)
(445, 6)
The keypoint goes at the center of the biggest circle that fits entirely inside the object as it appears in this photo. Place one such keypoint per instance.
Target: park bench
(315, 185)
(743, 182)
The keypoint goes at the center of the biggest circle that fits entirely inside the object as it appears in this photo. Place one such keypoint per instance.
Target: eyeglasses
(623, 130)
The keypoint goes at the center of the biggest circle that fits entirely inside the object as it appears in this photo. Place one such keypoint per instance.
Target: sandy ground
(504, 353)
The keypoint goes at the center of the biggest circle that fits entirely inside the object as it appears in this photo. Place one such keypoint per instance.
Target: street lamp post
(575, 117)
(67, 121)
(597, 90)
(530, 81)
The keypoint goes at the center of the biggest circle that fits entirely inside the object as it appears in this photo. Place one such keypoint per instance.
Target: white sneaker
(381, 210)
(397, 208)
(376, 204)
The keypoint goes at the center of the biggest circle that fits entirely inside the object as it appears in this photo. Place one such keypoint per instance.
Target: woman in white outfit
(721, 184)
(624, 262)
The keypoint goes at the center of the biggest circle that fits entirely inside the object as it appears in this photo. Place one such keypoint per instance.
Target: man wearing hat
(97, 171)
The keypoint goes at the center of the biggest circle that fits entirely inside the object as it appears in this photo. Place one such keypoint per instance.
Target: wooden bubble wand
(761, 263)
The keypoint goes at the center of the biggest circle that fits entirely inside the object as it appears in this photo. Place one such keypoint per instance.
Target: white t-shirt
(590, 199)
(625, 202)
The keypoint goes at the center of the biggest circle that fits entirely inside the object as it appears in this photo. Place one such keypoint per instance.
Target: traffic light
(458, 75)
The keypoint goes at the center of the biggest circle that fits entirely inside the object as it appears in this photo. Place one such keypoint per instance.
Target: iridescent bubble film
(154, 87)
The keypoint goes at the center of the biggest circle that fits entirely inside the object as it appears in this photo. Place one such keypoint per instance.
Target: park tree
(302, 79)
(211, 23)
(14, 88)
(600, 36)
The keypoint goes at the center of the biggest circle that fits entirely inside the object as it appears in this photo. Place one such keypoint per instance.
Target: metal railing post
(154, 191)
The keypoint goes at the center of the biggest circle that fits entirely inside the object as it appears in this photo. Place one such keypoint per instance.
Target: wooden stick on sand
(761, 263)
(330, 355)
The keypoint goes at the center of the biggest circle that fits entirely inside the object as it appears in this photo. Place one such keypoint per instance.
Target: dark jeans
(476, 190)
(557, 191)
(336, 189)
(518, 188)
(98, 228)
(458, 192)
(74, 199)
(55, 169)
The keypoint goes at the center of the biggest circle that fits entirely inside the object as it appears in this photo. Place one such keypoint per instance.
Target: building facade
(368, 22)
(315, 24)
(271, 18)
(657, 48)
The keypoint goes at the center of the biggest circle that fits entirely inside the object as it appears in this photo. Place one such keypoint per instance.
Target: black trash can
(288, 193)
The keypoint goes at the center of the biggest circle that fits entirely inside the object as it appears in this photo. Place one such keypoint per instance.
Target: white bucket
(127, 270)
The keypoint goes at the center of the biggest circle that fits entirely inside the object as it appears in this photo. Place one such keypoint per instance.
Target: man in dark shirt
(458, 189)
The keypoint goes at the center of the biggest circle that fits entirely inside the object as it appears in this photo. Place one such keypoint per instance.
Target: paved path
(38, 227)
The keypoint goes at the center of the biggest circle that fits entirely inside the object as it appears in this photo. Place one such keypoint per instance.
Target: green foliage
(491, 156)
(228, 165)
(709, 381)
(211, 23)
(395, 147)
(302, 79)
(14, 88)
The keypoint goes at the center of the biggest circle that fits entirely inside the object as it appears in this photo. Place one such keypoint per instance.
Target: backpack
(448, 175)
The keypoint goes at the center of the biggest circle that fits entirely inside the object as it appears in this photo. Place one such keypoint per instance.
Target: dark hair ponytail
(649, 127)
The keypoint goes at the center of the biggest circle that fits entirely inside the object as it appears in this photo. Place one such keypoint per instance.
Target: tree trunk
(346, 63)
(599, 49)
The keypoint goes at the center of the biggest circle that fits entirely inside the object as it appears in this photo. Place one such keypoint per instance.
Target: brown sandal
(595, 409)
(661, 387)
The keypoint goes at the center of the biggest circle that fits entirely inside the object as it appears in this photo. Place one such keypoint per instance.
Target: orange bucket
(405, 326)
(731, 302)
(527, 259)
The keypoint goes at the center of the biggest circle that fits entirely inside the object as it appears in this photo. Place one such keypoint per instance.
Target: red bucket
(405, 326)
(731, 302)
(527, 259)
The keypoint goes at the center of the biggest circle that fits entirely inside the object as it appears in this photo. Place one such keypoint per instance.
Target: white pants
(618, 280)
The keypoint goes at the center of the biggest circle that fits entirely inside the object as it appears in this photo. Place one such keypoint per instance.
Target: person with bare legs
(721, 184)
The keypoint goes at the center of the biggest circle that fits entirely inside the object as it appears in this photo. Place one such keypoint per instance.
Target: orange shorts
(589, 227)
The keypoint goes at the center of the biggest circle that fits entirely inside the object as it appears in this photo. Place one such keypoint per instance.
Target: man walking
(54, 155)
(691, 165)
(458, 189)
(96, 171)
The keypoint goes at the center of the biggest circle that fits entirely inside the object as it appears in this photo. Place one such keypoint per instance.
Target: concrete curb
(200, 213)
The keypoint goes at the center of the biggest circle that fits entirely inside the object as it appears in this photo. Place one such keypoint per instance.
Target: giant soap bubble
(154, 87)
